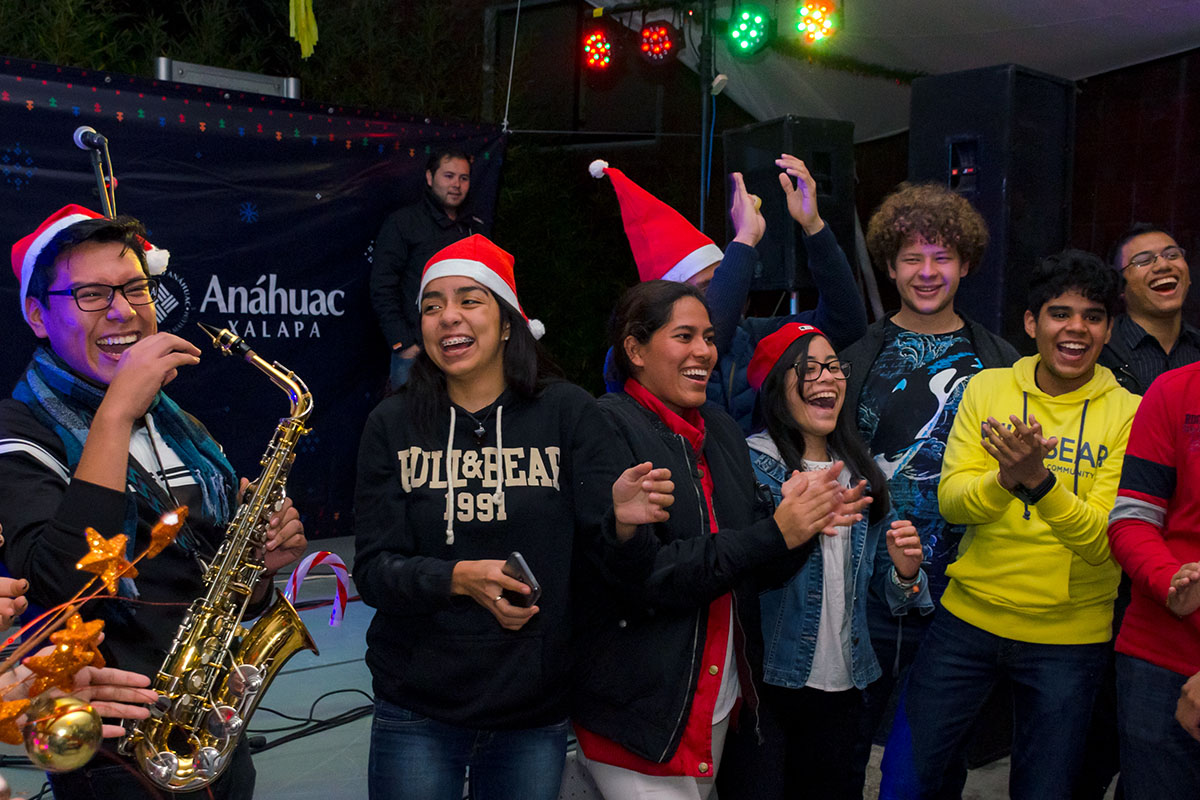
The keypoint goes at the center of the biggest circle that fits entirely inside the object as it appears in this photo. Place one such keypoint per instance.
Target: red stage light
(597, 50)
(660, 42)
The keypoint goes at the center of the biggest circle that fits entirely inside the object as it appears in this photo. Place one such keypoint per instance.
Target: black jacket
(44, 518)
(992, 350)
(640, 658)
(1117, 357)
(407, 239)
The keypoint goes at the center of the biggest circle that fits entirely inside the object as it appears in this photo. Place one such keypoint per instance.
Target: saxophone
(217, 670)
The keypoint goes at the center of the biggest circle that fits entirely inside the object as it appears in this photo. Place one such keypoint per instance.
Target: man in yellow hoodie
(1031, 468)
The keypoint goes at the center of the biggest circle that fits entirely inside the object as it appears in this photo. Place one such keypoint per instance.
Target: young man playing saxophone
(89, 439)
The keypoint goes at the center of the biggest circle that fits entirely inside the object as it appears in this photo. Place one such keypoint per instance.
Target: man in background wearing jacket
(406, 240)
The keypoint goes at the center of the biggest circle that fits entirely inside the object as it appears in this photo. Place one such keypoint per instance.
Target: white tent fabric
(1069, 38)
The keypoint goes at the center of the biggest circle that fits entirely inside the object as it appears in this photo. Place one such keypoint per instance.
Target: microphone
(86, 138)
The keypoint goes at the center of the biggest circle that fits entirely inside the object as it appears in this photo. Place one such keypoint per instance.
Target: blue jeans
(1054, 688)
(417, 757)
(1158, 757)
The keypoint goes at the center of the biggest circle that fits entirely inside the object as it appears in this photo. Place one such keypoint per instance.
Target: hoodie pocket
(1015, 572)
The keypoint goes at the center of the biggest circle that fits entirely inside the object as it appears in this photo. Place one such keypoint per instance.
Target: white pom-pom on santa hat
(665, 245)
(537, 328)
(597, 167)
(156, 259)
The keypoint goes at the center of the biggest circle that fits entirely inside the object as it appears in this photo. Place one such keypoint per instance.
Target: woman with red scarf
(668, 664)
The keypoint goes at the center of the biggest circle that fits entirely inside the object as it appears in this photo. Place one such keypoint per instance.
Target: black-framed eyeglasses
(1147, 258)
(99, 296)
(812, 370)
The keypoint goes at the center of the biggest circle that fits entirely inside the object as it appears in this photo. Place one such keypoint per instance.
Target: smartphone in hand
(515, 567)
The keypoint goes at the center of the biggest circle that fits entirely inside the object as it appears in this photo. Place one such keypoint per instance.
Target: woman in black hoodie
(483, 453)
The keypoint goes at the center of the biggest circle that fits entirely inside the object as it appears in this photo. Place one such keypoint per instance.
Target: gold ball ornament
(62, 734)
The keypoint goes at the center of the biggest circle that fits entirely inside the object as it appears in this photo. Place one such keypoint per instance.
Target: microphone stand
(107, 184)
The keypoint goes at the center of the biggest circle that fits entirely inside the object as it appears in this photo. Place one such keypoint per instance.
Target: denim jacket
(791, 614)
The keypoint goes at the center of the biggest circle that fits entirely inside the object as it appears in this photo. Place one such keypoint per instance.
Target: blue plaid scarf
(65, 403)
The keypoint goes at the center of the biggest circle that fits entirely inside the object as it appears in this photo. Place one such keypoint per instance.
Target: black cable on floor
(309, 726)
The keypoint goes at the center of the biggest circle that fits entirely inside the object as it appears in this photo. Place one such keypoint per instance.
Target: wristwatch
(1030, 496)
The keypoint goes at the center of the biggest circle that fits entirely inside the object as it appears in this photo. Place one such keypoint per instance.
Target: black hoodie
(446, 657)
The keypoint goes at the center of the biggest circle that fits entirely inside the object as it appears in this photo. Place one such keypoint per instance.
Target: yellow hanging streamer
(303, 25)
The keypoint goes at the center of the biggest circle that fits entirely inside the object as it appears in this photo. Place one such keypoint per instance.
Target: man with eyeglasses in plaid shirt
(1151, 336)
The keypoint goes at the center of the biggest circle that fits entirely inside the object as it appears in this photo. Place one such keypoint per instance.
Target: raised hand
(144, 369)
(748, 222)
(641, 496)
(852, 503)
(484, 581)
(1020, 452)
(801, 196)
(809, 504)
(1183, 596)
(904, 546)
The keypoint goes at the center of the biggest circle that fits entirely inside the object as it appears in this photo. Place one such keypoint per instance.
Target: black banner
(269, 207)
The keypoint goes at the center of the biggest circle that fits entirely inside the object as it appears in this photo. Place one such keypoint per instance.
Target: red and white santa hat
(772, 348)
(664, 244)
(26, 251)
(481, 260)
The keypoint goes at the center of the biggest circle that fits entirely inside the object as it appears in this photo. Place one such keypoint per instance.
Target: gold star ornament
(84, 635)
(57, 668)
(107, 559)
(10, 731)
(165, 530)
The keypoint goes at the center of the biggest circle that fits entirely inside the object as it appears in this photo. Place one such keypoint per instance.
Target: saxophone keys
(223, 722)
(194, 681)
(208, 762)
(246, 679)
(181, 709)
(160, 706)
(162, 767)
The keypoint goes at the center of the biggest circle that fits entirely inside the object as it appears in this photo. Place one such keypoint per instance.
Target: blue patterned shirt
(905, 412)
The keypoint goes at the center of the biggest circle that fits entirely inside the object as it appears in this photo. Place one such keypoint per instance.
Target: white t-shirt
(831, 659)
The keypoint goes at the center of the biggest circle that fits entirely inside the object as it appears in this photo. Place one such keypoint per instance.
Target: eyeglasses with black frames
(1147, 258)
(810, 371)
(99, 296)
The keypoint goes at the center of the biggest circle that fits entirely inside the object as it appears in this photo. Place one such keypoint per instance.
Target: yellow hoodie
(1042, 574)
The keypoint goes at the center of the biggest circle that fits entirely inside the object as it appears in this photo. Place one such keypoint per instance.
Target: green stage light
(749, 30)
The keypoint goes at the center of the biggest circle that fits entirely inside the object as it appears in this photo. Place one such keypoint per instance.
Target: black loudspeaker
(1004, 138)
(826, 147)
